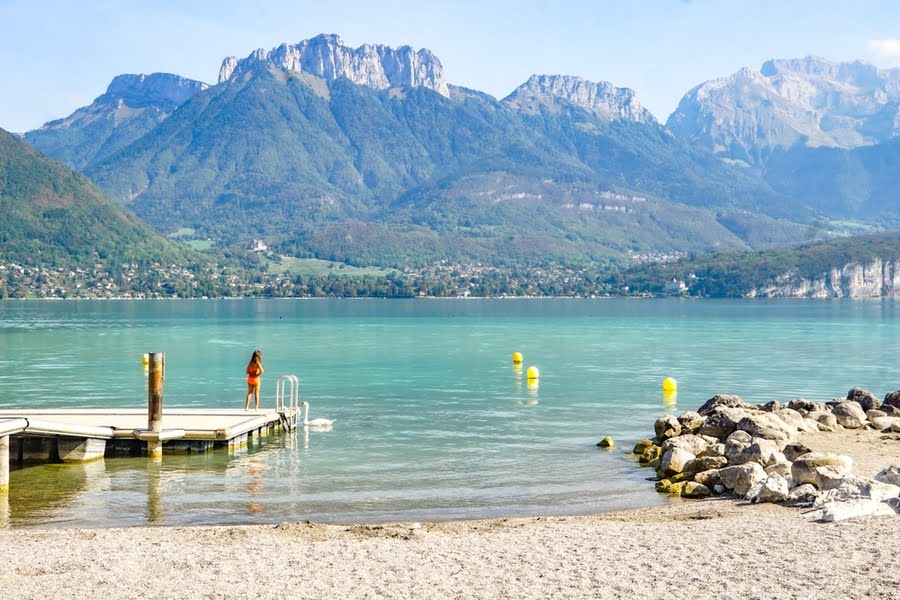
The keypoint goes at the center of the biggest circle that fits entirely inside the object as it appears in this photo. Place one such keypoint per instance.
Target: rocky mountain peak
(142, 90)
(326, 56)
(603, 98)
(805, 101)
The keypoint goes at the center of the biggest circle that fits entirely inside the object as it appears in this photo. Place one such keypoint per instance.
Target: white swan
(322, 423)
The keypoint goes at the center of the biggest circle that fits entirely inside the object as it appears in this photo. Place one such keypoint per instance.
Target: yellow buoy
(670, 398)
(532, 373)
(669, 384)
(517, 358)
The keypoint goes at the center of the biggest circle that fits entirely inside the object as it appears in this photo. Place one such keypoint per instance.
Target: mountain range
(368, 155)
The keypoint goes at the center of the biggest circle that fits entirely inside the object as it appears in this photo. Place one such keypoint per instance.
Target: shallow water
(433, 421)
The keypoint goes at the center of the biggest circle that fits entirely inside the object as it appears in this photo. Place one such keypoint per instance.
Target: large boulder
(690, 442)
(767, 426)
(690, 421)
(722, 401)
(849, 414)
(722, 421)
(892, 399)
(860, 507)
(675, 460)
(890, 475)
(666, 426)
(826, 421)
(692, 489)
(741, 478)
(774, 489)
(864, 398)
(853, 487)
(795, 450)
(884, 423)
(805, 493)
(717, 449)
(823, 470)
(802, 406)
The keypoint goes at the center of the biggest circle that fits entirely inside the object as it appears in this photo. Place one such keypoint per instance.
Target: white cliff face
(808, 101)
(326, 56)
(877, 279)
(603, 98)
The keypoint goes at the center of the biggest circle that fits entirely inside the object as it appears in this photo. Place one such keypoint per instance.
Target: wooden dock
(79, 435)
(76, 435)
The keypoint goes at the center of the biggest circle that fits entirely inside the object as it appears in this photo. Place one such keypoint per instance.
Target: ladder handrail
(289, 411)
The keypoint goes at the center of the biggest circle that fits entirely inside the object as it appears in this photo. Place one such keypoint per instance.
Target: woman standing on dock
(254, 372)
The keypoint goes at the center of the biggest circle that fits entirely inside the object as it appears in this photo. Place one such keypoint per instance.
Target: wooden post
(155, 379)
(4, 464)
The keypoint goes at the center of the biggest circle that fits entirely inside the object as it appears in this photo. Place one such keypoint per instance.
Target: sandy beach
(684, 550)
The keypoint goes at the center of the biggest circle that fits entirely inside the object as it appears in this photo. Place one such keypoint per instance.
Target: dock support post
(4, 464)
(156, 375)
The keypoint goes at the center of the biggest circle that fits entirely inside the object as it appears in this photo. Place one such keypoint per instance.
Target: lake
(432, 419)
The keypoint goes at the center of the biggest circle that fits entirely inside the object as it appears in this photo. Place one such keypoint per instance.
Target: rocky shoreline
(731, 447)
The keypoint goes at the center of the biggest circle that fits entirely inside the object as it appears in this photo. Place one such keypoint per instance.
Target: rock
(849, 415)
(690, 442)
(826, 421)
(710, 478)
(892, 399)
(860, 507)
(713, 450)
(884, 423)
(781, 468)
(790, 416)
(674, 461)
(774, 489)
(690, 421)
(666, 426)
(803, 493)
(874, 413)
(853, 487)
(771, 406)
(603, 99)
(767, 426)
(372, 65)
(642, 446)
(676, 488)
(810, 426)
(891, 411)
(802, 406)
(740, 478)
(795, 450)
(719, 489)
(866, 399)
(760, 450)
(692, 489)
(722, 421)
(739, 437)
(736, 447)
(606, 442)
(890, 475)
(653, 464)
(821, 469)
(722, 401)
(649, 454)
(705, 463)
(663, 486)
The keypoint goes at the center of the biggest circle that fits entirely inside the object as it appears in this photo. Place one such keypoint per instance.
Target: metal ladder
(288, 408)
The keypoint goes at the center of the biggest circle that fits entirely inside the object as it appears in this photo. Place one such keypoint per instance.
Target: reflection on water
(670, 400)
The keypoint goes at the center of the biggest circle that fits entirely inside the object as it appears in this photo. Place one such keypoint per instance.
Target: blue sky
(57, 55)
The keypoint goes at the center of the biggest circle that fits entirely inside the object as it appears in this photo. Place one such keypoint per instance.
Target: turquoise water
(432, 422)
